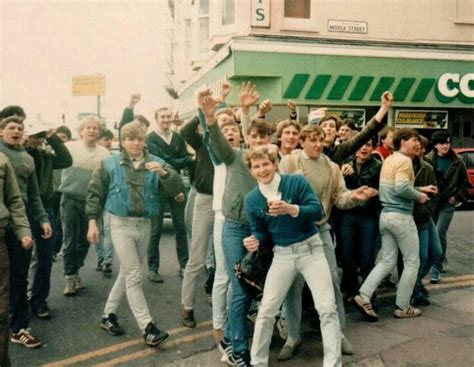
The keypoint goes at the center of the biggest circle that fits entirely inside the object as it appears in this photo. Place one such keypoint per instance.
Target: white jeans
(306, 258)
(203, 221)
(221, 286)
(130, 238)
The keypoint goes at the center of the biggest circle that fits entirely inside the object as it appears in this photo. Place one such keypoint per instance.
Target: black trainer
(42, 312)
(110, 323)
(241, 359)
(154, 336)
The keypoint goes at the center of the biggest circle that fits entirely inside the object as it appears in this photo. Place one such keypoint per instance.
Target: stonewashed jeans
(75, 224)
(130, 238)
(203, 222)
(443, 221)
(398, 232)
(292, 306)
(105, 250)
(233, 235)
(221, 295)
(306, 258)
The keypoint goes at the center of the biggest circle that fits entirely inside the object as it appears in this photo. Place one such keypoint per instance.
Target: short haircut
(159, 109)
(6, 121)
(282, 125)
(261, 126)
(143, 120)
(132, 130)
(441, 137)
(384, 132)
(91, 119)
(107, 134)
(331, 117)
(262, 151)
(423, 140)
(64, 130)
(349, 123)
(225, 111)
(404, 133)
(12, 111)
(309, 131)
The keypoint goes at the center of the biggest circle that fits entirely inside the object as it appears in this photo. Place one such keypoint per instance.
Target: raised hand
(202, 93)
(387, 100)
(264, 107)
(248, 96)
(208, 107)
(291, 105)
(134, 99)
(225, 89)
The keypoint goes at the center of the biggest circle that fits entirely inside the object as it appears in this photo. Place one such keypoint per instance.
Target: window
(298, 9)
(228, 12)
(204, 7)
(187, 39)
(204, 35)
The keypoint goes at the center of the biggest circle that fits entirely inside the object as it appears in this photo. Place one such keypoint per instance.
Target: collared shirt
(270, 190)
(138, 161)
(166, 137)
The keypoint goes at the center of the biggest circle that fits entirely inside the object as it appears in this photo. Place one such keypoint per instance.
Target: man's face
(420, 150)
(388, 141)
(443, 148)
(13, 134)
(263, 170)
(134, 146)
(330, 130)
(255, 139)
(163, 119)
(232, 135)
(63, 137)
(313, 145)
(90, 132)
(410, 146)
(290, 137)
(35, 141)
(105, 142)
(344, 132)
(364, 152)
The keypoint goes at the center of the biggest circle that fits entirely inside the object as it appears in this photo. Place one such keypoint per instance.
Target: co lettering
(452, 86)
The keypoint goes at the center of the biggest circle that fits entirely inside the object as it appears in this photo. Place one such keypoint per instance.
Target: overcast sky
(44, 44)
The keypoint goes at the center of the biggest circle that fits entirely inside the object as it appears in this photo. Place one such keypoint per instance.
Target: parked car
(467, 155)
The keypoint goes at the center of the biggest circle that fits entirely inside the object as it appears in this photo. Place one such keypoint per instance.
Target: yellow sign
(88, 85)
(421, 119)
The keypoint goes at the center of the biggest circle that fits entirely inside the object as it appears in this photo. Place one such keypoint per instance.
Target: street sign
(88, 85)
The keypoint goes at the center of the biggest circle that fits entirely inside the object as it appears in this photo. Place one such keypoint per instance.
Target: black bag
(252, 271)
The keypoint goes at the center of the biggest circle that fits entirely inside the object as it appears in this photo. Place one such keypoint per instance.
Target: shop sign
(261, 13)
(345, 26)
(421, 119)
(88, 85)
(453, 85)
(355, 114)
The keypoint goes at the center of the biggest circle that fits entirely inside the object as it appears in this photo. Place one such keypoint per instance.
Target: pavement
(442, 336)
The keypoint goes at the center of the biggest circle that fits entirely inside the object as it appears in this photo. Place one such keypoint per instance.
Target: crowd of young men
(279, 195)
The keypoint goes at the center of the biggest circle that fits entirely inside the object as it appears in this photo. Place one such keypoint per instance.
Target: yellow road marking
(143, 353)
(116, 347)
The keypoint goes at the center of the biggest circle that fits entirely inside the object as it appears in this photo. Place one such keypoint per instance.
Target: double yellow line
(140, 354)
(450, 282)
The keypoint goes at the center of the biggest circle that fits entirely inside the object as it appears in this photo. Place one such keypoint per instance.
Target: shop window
(467, 129)
(228, 12)
(298, 9)
(456, 129)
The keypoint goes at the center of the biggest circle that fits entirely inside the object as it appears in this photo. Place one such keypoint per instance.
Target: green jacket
(456, 181)
(12, 208)
(239, 181)
(424, 175)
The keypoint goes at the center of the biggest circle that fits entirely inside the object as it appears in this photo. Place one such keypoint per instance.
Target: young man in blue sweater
(284, 209)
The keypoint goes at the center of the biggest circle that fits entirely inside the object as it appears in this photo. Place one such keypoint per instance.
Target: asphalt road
(73, 335)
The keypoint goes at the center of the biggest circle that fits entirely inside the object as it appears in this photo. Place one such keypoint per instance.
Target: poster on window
(421, 119)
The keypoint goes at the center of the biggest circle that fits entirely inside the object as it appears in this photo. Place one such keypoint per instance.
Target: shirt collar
(270, 189)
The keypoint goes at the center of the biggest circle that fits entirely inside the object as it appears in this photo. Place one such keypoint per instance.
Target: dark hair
(14, 118)
(143, 120)
(12, 111)
(441, 137)
(261, 126)
(349, 123)
(64, 130)
(331, 117)
(423, 141)
(383, 133)
(282, 125)
(404, 133)
(107, 134)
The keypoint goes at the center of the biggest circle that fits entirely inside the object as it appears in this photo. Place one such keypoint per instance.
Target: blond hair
(262, 151)
(132, 130)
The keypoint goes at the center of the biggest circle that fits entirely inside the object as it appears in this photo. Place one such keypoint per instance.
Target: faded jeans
(105, 250)
(398, 232)
(221, 294)
(203, 222)
(443, 221)
(306, 258)
(130, 238)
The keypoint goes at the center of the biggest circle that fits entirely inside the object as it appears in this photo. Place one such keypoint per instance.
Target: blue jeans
(177, 216)
(42, 278)
(233, 235)
(443, 220)
(358, 241)
(398, 232)
(75, 225)
(105, 250)
(430, 252)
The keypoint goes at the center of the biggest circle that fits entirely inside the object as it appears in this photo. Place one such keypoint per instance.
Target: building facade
(340, 54)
